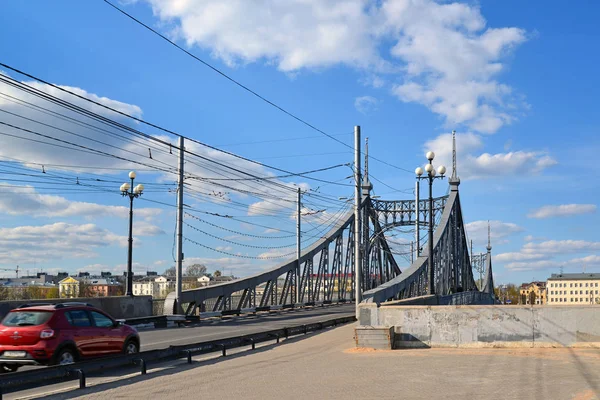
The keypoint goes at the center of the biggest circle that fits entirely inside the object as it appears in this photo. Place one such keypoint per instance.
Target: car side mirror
(119, 323)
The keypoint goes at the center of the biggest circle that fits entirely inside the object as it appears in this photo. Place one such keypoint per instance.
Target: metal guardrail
(16, 381)
(162, 321)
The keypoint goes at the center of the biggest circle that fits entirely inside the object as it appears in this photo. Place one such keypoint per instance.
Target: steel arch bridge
(325, 271)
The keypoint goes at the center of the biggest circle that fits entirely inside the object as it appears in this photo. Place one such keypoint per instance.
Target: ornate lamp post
(132, 192)
(430, 177)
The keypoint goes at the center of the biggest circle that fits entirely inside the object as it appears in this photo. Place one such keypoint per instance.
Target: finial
(489, 246)
(454, 179)
(454, 155)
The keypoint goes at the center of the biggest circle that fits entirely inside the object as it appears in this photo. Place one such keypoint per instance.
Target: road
(220, 328)
(205, 331)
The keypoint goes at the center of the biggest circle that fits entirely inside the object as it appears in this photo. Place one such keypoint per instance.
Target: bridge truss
(325, 271)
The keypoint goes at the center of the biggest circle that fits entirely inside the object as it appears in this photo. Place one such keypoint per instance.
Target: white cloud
(518, 256)
(544, 255)
(365, 104)
(561, 246)
(294, 34)
(474, 165)
(563, 210)
(443, 54)
(531, 238)
(25, 200)
(478, 231)
(143, 228)
(588, 261)
(58, 241)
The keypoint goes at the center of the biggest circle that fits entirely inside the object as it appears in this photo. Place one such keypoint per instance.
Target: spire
(489, 246)
(454, 179)
(453, 154)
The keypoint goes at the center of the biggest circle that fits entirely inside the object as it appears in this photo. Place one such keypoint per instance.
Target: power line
(101, 118)
(229, 78)
(246, 88)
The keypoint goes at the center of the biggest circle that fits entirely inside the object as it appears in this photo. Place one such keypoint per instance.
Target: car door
(109, 333)
(83, 331)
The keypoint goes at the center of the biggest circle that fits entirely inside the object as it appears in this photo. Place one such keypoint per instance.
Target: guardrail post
(286, 333)
(81, 376)
(251, 341)
(189, 356)
(305, 329)
(224, 350)
(142, 366)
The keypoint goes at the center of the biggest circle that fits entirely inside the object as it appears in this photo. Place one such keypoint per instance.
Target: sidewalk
(326, 366)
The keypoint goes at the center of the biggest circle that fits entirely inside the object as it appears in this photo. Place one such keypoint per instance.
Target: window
(571, 292)
(586, 284)
(575, 298)
(571, 300)
(78, 318)
(596, 284)
(26, 318)
(101, 320)
(570, 285)
(581, 299)
(580, 284)
(586, 292)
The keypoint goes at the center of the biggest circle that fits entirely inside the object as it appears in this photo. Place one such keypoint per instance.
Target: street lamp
(431, 175)
(132, 192)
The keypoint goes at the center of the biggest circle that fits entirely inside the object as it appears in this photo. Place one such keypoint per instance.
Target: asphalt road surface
(204, 331)
(221, 328)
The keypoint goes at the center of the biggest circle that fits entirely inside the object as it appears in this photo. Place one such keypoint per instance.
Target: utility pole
(298, 245)
(412, 254)
(357, 220)
(179, 267)
(417, 212)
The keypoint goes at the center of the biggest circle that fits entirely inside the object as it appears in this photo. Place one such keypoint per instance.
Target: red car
(53, 334)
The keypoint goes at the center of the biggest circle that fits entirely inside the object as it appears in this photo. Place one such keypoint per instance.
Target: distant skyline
(515, 80)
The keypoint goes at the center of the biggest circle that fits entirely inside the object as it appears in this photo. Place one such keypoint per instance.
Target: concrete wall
(487, 326)
(117, 306)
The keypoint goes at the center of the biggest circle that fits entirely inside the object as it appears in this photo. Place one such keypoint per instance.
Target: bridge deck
(325, 366)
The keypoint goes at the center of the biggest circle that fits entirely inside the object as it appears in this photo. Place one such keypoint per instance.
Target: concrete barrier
(487, 326)
(120, 307)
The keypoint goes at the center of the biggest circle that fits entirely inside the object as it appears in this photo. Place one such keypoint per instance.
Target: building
(68, 288)
(204, 280)
(574, 289)
(533, 293)
(155, 286)
(71, 287)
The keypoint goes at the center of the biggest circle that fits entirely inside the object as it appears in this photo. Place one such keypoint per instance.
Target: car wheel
(4, 368)
(131, 347)
(65, 357)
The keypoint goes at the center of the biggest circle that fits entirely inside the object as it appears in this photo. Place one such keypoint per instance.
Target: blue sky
(517, 81)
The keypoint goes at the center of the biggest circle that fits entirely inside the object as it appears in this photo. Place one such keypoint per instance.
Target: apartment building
(533, 293)
(574, 289)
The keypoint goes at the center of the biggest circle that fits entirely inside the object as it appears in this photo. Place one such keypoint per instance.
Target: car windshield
(26, 318)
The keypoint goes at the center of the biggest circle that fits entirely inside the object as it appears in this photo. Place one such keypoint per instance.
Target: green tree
(217, 273)
(196, 270)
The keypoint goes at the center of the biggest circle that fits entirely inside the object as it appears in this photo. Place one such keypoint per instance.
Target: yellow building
(574, 289)
(68, 288)
(533, 293)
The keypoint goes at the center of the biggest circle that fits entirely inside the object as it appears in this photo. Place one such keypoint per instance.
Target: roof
(574, 276)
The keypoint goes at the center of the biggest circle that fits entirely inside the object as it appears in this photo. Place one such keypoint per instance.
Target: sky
(516, 80)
